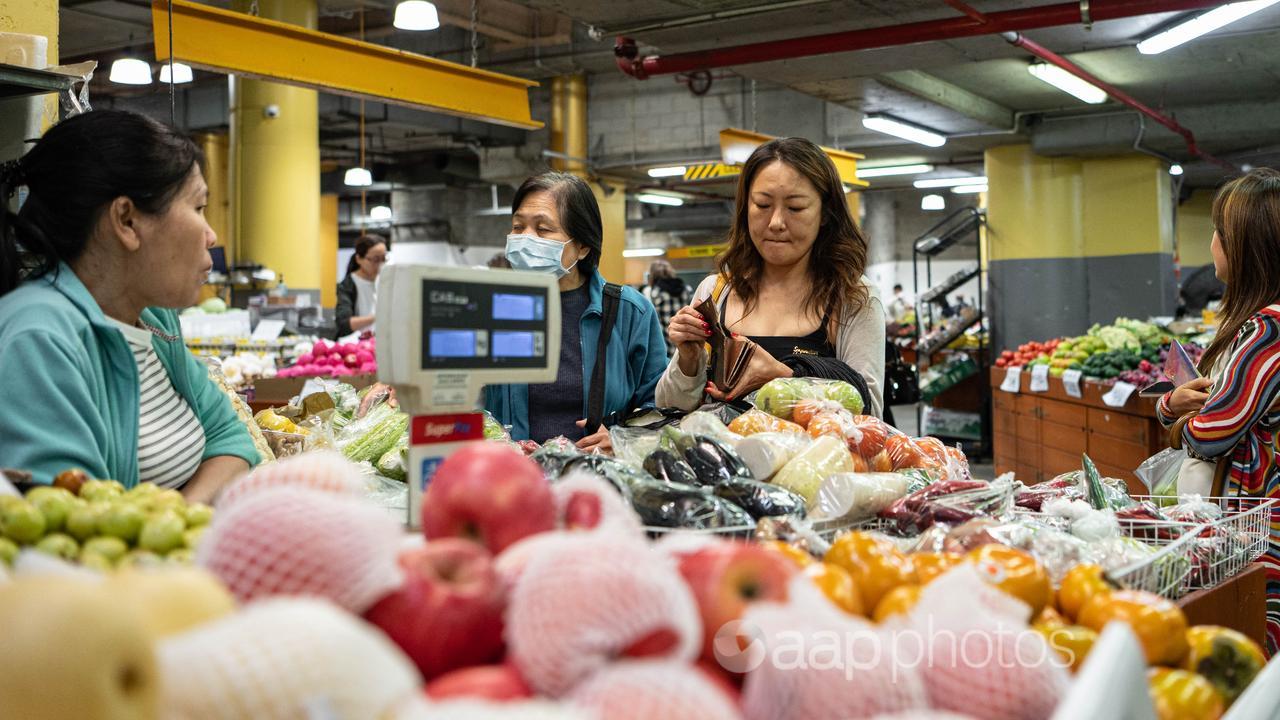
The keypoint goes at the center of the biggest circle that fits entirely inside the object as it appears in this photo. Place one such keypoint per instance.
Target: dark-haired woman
(110, 238)
(358, 291)
(556, 229)
(791, 280)
(1230, 418)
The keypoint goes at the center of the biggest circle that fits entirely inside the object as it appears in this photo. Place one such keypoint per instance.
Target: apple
(82, 521)
(59, 545)
(448, 613)
(71, 480)
(8, 551)
(168, 499)
(198, 514)
(21, 522)
(162, 532)
(111, 548)
(94, 490)
(122, 520)
(54, 503)
(491, 682)
(726, 577)
(490, 493)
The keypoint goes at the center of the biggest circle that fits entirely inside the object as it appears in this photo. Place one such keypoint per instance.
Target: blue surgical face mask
(530, 252)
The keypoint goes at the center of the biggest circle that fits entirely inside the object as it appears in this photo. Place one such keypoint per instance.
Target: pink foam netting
(325, 470)
(615, 512)
(641, 690)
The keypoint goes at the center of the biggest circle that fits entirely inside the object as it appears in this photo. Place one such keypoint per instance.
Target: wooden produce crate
(1040, 435)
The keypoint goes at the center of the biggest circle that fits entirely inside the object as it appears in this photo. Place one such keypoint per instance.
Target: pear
(171, 599)
(54, 503)
(73, 651)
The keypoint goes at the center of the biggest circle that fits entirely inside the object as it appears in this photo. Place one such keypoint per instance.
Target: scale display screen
(480, 326)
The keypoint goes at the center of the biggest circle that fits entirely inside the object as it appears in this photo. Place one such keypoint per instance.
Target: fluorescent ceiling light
(1067, 83)
(888, 170)
(968, 189)
(655, 199)
(380, 212)
(358, 177)
(667, 171)
(130, 71)
(1175, 169)
(904, 130)
(1200, 25)
(181, 73)
(643, 252)
(416, 15)
(933, 202)
(951, 182)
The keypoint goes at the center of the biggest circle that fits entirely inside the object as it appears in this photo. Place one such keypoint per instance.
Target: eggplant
(761, 499)
(678, 505)
(707, 464)
(732, 460)
(669, 468)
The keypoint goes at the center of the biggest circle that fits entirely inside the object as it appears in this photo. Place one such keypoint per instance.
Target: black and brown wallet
(729, 355)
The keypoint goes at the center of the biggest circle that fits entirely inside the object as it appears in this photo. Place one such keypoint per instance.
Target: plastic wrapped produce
(554, 455)
(677, 505)
(756, 421)
(1102, 495)
(621, 475)
(781, 396)
(633, 445)
(493, 430)
(1194, 509)
(805, 472)
(857, 496)
(951, 502)
(760, 499)
(667, 467)
(324, 471)
(766, 453)
(704, 423)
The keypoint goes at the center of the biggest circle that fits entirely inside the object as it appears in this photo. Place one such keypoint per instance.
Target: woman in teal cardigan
(111, 235)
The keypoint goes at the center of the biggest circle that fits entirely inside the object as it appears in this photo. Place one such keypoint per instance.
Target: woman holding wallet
(790, 282)
(1229, 419)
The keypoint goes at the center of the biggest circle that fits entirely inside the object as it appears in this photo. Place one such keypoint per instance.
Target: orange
(1078, 585)
(1049, 619)
(837, 585)
(1159, 624)
(796, 555)
(930, 565)
(1015, 572)
(897, 601)
(875, 565)
(1183, 695)
(1072, 642)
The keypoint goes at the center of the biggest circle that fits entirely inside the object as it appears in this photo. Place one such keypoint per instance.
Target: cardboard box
(274, 392)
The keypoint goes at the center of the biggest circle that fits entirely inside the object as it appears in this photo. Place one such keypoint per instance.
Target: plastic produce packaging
(950, 501)
(1160, 472)
(760, 499)
(804, 473)
(704, 423)
(857, 496)
(766, 453)
(780, 397)
(756, 421)
(678, 505)
(369, 437)
(633, 445)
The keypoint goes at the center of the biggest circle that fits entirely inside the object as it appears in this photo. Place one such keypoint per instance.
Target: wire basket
(734, 531)
(829, 530)
(1166, 573)
(1217, 550)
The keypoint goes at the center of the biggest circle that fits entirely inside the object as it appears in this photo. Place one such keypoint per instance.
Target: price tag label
(1119, 395)
(1071, 381)
(1012, 380)
(1040, 378)
(267, 330)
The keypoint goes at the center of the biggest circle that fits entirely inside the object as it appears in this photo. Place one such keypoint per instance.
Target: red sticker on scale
(436, 429)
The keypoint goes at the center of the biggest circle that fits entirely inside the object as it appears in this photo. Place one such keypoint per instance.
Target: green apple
(82, 521)
(122, 520)
(111, 548)
(96, 561)
(778, 397)
(8, 550)
(22, 522)
(6, 500)
(140, 558)
(181, 556)
(54, 503)
(198, 514)
(191, 537)
(94, 490)
(168, 499)
(162, 532)
(59, 545)
(143, 489)
(845, 394)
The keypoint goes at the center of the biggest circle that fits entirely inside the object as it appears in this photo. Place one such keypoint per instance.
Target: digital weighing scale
(446, 332)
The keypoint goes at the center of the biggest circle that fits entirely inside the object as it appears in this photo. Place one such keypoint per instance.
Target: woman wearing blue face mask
(556, 229)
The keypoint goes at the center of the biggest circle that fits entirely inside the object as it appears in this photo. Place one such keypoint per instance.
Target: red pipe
(1066, 13)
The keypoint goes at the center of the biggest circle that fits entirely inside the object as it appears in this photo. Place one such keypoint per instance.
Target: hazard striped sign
(710, 171)
(695, 251)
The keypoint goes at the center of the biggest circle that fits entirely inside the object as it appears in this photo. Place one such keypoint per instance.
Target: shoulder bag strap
(595, 404)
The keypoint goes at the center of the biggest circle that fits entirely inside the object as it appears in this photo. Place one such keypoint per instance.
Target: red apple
(489, 493)
(726, 577)
(492, 682)
(448, 612)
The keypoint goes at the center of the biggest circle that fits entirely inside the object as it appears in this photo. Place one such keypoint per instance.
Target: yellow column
(855, 203)
(1128, 206)
(575, 134)
(328, 250)
(1034, 204)
(613, 216)
(555, 125)
(35, 17)
(275, 155)
(218, 212)
(1195, 229)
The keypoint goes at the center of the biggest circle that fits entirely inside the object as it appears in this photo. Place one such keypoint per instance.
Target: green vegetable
(393, 464)
(377, 432)
(1101, 495)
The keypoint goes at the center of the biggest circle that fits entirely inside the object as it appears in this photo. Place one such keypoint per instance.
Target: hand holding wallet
(729, 355)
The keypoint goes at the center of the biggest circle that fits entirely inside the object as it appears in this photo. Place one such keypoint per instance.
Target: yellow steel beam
(231, 42)
(736, 145)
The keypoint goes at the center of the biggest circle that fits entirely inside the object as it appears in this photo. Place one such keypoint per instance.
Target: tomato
(1001, 362)
(1182, 695)
(1078, 585)
(1015, 572)
(826, 423)
(929, 566)
(875, 565)
(870, 437)
(805, 410)
(904, 453)
(897, 601)
(796, 555)
(1071, 642)
(1159, 624)
(933, 448)
(836, 583)
(1226, 658)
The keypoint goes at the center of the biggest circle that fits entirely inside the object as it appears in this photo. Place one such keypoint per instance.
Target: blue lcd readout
(453, 343)
(526, 308)
(512, 344)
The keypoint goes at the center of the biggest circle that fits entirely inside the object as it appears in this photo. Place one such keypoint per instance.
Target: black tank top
(815, 343)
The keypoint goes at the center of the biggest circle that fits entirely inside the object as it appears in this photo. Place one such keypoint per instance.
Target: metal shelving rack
(959, 225)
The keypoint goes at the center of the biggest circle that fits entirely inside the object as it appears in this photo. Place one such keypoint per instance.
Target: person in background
(791, 280)
(110, 240)
(668, 294)
(358, 291)
(899, 307)
(556, 229)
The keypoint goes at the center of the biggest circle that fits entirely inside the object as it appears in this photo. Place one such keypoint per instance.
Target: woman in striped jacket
(1232, 416)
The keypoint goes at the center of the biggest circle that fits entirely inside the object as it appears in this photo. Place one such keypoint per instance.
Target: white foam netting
(642, 690)
(586, 488)
(286, 659)
(294, 541)
(583, 600)
(325, 470)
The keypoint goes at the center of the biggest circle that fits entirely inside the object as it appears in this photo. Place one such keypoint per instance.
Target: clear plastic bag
(755, 421)
(1194, 509)
(766, 453)
(677, 505)
(805, 472)
(781, 397)
(951, 502)
(704, 423)
(857, 496)
(1160, 473)
(632, 445)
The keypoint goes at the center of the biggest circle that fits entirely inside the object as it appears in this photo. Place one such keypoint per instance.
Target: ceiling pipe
(1067, 13)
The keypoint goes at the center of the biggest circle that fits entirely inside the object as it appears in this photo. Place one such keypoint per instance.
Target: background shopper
(668, 293)
(358, 291)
